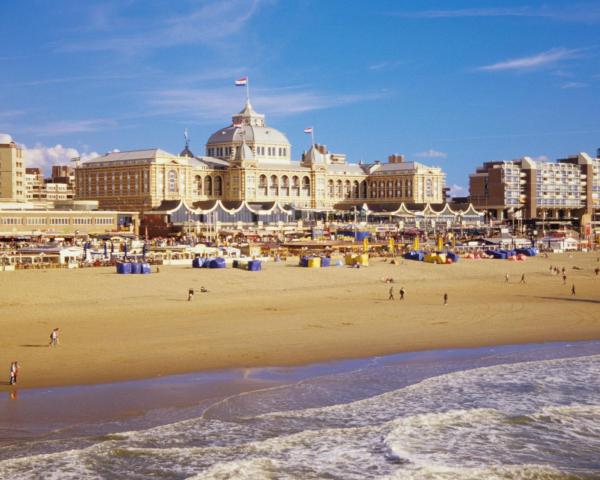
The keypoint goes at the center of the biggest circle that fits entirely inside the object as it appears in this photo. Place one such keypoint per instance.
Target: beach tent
(415, 255)
(254, 265)
(314, 262)
(124, 268)
(198, 262)
(452, 256)
(136, 267)
(217, 263)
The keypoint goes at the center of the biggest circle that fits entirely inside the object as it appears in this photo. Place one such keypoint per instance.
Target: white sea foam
(533, 420)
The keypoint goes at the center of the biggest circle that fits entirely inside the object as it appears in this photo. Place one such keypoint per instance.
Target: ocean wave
(528, 420)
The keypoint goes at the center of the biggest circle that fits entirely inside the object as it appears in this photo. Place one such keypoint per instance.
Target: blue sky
(446, 83)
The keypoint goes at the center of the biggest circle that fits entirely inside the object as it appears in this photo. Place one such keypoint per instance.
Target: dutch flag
(308, 130)
(242, 82)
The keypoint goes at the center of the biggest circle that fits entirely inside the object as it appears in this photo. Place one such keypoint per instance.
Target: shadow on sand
(571, 299)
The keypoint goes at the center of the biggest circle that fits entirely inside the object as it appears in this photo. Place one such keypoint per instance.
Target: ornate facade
(250, 161)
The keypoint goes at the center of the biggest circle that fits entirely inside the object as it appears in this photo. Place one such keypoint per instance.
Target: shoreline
(103, 409)
(116, 328)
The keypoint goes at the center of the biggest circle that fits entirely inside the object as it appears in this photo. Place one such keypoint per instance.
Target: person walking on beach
(506, 278)
(523, 279)
(391, 297)
(14, 372)
(564, 278)
(573, 290)
(445, 299)
(54, 338)
(402, 291)
(597, 271)
(190, 294)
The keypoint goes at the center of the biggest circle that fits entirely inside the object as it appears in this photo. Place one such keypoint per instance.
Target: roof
(251, 126)
(314, 156)
(167, 206)
(351, 168)
(209, 162)
(186, 152)
(149, 154)
(251, 133)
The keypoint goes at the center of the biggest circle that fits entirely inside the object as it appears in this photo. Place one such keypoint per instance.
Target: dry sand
(115, 327)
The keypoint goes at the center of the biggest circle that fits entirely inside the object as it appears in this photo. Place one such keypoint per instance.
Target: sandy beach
(115, 327)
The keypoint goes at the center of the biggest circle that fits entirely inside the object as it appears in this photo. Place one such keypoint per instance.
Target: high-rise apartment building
(13, 186)
(566, 189)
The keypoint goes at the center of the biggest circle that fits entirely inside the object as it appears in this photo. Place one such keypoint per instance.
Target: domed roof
(5, 138)
(186, 152)
(251, 126)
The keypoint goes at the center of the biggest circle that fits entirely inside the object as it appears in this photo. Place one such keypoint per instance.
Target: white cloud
(579, 13)
(66, 127)
(458, 191)
(208, 24)
(569, 85)
(549, 57)
(217, 104)
(431, 154)
(386, 65)
(85, 78)
(44, 157)
(540, 158)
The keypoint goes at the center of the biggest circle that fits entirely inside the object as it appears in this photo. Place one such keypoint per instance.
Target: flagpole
(248, 89)
(312, 136)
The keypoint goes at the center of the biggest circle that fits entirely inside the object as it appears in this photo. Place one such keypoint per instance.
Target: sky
(450, 84)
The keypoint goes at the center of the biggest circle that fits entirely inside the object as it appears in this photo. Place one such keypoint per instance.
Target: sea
(509, 412)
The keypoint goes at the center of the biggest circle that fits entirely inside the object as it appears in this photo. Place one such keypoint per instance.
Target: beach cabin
(559, 244)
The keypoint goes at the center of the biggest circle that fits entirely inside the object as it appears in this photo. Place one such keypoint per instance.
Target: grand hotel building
(252, 162)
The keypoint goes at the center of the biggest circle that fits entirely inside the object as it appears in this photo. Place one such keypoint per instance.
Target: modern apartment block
(60, 186)
(567, 189)
(12, 171)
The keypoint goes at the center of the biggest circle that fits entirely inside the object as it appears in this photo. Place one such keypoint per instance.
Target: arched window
(429, 187)
(399, 188)
(295, 186)
(262, 185)
(347, 189)
(172, 179)
(331, 188)
(339, 189)
(305, 186)
(285, 186)
(363, 189)
(208, 185)
(198, 184)
(273, 185)
(390, 192)
(218, 186)
(355, 189)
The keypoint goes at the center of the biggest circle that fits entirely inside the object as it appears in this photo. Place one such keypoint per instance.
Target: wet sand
(115, 327)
